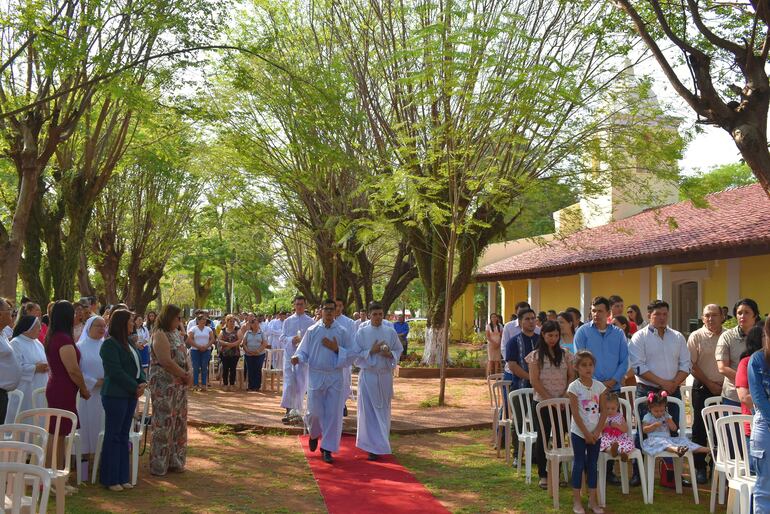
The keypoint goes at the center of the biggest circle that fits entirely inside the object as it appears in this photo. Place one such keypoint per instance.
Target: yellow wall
(558, 293)
(624, 283)
(513, 291)
(755, 281)
(462, 313)
(715, 287)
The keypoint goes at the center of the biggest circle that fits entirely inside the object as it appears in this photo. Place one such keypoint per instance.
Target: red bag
(667, 473)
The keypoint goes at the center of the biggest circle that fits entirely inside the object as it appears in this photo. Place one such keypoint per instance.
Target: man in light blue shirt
(606, 342)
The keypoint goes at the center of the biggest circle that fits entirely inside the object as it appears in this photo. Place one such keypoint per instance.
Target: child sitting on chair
(615, 437)
(658, 425)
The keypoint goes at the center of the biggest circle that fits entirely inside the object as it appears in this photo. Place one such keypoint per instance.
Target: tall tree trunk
(85, 286)
(12, 244)
(202, 290)
(108, 268)
(31, 266)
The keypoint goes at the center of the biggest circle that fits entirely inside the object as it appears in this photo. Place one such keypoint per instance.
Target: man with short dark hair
(617, 309)
(402, 329)
(326, 350)
(294, 376)
(378, 348)
(606, 342)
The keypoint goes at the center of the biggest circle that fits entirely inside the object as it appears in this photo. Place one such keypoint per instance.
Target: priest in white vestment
(378, 348)
(294, 376)
(91, 411)
(326, 349)
(30, 354)
(350, 326)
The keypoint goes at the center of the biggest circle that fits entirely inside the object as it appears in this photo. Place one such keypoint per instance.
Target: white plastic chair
(54, 417)
(556, 448)
(636, 455)
(15, 399)
(710, 416)
(16, 451)
(678, 461)
(275, 374)
(628, 393)
(525, 428)
(39, 401)
(712, 400)
(685, 391)
(491, 379)
(134, 437)
(24, 433)
(14, 480)
(504, 423)
(737, 470)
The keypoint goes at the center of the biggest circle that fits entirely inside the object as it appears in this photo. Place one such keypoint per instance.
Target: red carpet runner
(354, 484)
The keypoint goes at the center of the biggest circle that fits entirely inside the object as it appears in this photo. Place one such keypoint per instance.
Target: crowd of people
(98, 361)
(559, 356)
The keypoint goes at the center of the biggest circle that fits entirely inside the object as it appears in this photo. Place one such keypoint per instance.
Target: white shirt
(664, 357)
(10, 371)
(588, 400)
(200, 337)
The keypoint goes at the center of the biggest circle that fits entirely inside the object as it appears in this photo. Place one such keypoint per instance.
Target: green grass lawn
(461, 469)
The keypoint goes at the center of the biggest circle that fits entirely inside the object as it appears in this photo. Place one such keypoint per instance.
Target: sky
(709, 149)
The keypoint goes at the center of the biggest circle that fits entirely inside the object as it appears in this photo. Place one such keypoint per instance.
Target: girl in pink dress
(615, 437)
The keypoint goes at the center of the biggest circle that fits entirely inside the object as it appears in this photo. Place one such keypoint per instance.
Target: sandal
(543, 483)
(682, 450)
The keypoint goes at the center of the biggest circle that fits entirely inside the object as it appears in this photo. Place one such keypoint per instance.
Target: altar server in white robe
(273, 333)
(91, 411)
(350, 326)
(326, 349)
(30, 354)
(378, 349)
(294, 376)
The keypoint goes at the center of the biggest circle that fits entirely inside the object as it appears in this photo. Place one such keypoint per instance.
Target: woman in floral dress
(170, 376)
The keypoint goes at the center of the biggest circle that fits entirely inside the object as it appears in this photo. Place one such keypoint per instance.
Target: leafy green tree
(470, 104)
(56, 57)
(718, 179)
(717, 64)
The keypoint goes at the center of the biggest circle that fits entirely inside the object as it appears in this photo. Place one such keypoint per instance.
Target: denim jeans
(200, 363)
(254, 369)
(586, 459)
(118, 414)
(760, 457)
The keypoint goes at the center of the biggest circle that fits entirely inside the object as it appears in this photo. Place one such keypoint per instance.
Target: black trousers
(4, 405)
(229, 364)
(699, 395)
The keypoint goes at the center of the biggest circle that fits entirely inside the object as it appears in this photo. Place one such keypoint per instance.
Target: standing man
(516, 367)
(402, 329)
(512, 329)
(350, 327)
(660, 359)
(378, 349)
(274, 329)
(10, 370)
(294, 376)
(616, 309)
(708, 380)
(327, 349)
(606, 342)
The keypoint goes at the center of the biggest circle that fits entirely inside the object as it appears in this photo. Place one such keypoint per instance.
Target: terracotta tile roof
(736, 224)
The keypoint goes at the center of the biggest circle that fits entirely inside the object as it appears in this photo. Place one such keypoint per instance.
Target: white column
(663, 283)
(585, 296)
(733, 282)
(644, 288)
(491, 298)
(533, 293)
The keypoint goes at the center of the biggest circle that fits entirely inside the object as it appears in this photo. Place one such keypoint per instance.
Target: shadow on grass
(226, 473)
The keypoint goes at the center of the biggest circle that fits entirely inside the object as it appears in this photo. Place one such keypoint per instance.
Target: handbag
(667, 473)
